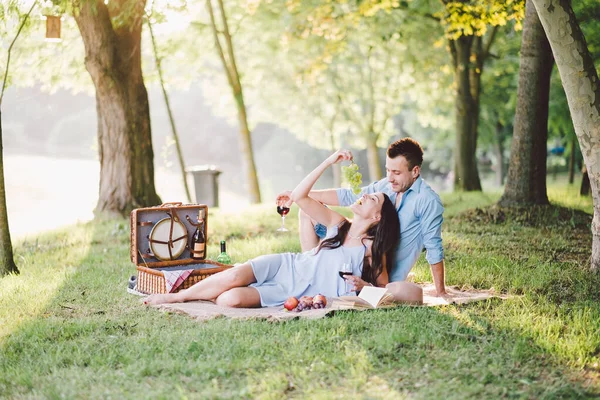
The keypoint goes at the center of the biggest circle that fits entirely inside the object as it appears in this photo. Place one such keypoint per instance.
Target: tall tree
(365, 67)
(469, 41)
(580, 80)
(526, 183)
(227, 55)
(467, 31)
(111, 32)
(7, 261)
(161, 81)
(498, 99)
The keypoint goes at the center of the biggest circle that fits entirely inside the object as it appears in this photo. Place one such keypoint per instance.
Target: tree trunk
(572, 161)
(373, 159)
(7, 261)
(475, 85)
(580, 81)
(113, 59)
(246, 146)
(157, 60)
(466, 176)
(233, 77)
(499, 149)
(336, 169)
(584, 189)
(526, 183)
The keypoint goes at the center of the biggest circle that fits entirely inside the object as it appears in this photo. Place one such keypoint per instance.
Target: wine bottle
(223, 258)
(199, 240)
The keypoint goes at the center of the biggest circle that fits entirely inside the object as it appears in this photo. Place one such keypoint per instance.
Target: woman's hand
(284, 199)
(339, 156)
(356, 282)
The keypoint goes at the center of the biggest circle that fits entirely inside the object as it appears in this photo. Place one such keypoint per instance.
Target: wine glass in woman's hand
(282, 210)
(345, 270)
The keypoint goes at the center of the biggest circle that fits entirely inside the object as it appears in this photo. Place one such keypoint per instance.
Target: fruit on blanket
(306, 301)
(320, 300)
(291, 303)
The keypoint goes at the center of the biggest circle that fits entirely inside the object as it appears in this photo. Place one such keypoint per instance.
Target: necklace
(355, 237)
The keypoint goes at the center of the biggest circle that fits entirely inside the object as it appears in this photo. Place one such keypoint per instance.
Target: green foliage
(37, 62)
(348, 87)
(499, 91)
(69, 329)
(473, 18)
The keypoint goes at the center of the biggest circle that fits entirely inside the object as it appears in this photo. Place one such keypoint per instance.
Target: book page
(374, 295)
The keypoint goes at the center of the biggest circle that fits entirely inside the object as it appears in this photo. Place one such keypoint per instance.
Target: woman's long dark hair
(385, 236)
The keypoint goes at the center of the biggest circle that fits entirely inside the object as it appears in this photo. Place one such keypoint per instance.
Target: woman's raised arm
(316, 210)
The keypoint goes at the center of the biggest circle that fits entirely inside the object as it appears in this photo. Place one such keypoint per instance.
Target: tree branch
(10, 49)
(453, 52)
(229, 41)
(347, 110)
(488, 45)
(168, 105)
(371, 90)
(404, 7)
(218, 43)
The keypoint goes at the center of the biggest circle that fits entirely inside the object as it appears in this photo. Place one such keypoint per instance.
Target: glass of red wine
(282, 210)
(346, 270)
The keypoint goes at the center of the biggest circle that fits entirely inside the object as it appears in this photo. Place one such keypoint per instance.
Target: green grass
(68, 329)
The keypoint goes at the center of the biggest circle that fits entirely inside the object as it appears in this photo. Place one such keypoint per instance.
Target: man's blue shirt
(420, 213)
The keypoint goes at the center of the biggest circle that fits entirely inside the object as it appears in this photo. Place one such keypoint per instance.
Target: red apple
(290, 303)
(320, 299)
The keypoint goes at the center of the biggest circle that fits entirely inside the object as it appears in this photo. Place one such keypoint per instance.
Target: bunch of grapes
(352, 177)
(305, 303)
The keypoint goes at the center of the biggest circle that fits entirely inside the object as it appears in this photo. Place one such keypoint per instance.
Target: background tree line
(473, 76)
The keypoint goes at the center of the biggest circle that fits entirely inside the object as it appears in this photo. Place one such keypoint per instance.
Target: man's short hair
(408, 148)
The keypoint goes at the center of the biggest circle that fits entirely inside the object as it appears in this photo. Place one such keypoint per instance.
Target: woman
(366, 243)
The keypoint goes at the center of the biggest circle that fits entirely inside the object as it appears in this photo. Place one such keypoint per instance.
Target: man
(419, 210)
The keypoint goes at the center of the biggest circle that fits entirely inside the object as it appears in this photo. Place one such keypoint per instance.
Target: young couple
(372, 242)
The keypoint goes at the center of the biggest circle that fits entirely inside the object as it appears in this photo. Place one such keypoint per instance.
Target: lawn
(69, 329)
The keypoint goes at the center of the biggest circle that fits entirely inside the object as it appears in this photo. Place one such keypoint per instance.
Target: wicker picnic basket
(160, 240)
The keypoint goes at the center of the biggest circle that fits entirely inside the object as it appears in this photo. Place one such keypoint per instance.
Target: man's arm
(431, 227)
(437, 271)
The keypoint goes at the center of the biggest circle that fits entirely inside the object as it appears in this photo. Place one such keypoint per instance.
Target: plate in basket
(160, 233)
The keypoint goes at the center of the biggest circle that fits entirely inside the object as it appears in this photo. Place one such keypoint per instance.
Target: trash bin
(204, 185)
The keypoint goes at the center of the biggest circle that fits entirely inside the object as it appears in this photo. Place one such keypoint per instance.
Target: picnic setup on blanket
(168, 247)
(168, 244)
(206, 310)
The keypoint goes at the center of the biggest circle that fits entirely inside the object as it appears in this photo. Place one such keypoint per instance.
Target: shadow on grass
(93, 340)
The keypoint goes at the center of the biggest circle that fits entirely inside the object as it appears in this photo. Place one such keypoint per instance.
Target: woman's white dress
(279, 276)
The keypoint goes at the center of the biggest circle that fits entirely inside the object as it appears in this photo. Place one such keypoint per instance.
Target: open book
(369, 297)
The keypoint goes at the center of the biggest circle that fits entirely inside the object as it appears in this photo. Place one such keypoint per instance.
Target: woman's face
(369, 206)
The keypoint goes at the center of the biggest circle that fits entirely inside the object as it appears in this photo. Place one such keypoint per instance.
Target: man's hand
(437, 271)
(284, 199)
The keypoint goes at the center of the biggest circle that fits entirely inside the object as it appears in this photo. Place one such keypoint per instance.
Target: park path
(45, 193)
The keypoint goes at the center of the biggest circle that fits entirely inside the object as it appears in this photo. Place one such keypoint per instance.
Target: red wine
(199, 240)
(343, 273)
(283, 210)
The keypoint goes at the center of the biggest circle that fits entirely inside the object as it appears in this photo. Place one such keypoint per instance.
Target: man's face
(399, 175)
